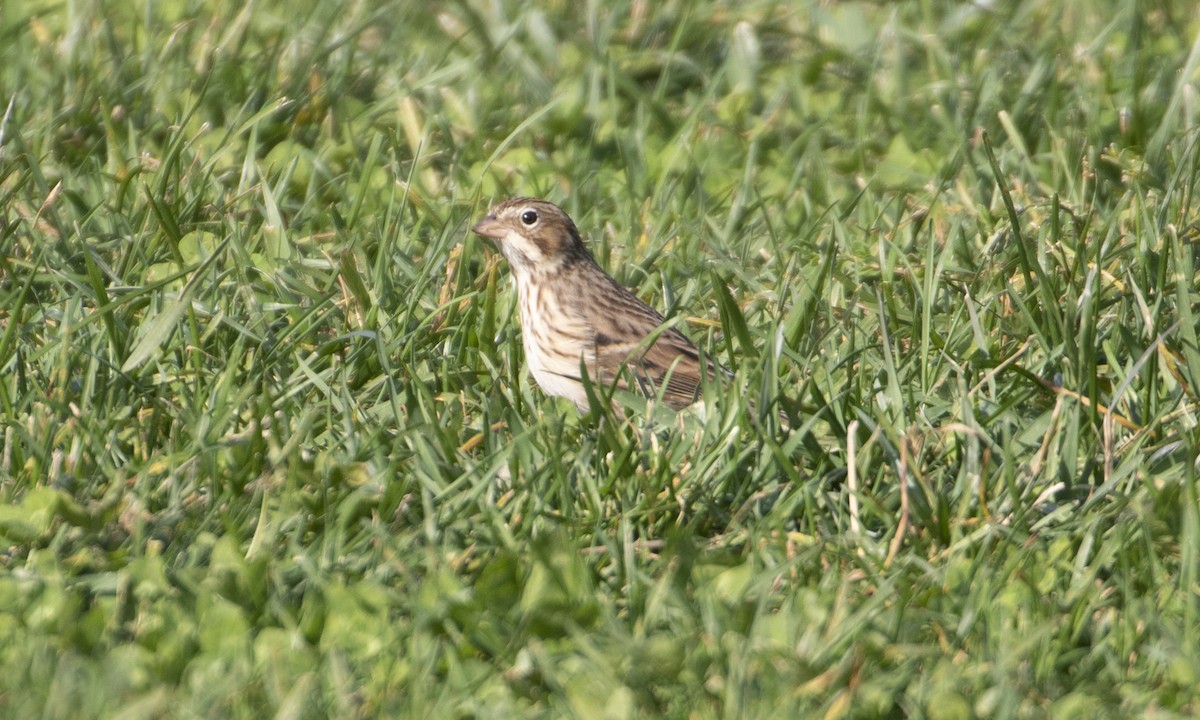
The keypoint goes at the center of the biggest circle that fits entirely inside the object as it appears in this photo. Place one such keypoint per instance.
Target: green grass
(269, 449)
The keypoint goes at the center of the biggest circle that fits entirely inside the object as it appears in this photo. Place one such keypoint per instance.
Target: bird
(574, 316)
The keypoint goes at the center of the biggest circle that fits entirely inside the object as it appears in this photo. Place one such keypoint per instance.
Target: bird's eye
(529, 217)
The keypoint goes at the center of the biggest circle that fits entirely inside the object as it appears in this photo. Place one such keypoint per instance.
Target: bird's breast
(556, 338)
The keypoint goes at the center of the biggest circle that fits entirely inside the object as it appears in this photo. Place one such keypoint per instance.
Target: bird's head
(533, 235)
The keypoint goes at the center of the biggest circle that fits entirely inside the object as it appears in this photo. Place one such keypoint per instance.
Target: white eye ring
(529, 217)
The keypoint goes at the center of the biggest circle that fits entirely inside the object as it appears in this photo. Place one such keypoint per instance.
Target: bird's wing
(674, 366)
(668, 362)
(631, 336)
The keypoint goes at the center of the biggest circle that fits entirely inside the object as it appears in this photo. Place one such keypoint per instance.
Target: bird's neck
(546, 273)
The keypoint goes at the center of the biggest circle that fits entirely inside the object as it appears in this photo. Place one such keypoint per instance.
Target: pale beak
(490, 227)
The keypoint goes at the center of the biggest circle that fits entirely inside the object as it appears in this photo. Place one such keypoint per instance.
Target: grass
(268, 444)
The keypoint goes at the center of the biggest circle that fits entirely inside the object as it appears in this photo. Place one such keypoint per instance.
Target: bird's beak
(489, 227)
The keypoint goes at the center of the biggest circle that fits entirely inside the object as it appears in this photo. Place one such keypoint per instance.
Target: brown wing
(629, 335)
(671, 364)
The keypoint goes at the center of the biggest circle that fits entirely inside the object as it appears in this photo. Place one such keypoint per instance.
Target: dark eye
(529, 217)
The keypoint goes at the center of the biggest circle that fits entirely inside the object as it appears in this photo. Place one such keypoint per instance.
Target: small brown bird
(573, 313)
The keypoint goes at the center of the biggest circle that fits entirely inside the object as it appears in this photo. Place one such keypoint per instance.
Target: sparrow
(575, 317)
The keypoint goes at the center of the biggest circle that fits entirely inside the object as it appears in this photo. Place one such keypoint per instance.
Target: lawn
(269, 444)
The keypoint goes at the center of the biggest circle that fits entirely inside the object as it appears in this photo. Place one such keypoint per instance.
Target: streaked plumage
(571, 310)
